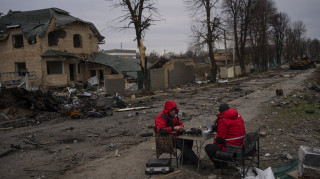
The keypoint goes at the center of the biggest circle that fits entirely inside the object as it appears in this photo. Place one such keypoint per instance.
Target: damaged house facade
(49, 46)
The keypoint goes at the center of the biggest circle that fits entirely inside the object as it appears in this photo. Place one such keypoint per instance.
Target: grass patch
(299, 111)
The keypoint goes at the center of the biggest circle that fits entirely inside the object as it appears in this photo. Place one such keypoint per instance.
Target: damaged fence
(25, 79)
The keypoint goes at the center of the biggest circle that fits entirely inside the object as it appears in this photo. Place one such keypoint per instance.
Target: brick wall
(31, 54)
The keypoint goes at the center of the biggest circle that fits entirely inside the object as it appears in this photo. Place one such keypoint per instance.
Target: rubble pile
(19, 104)
(20, 97)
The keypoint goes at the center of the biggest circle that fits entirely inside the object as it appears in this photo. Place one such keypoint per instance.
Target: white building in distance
(121, 53)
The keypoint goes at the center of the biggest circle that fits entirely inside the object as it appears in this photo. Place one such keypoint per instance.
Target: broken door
(72, 72)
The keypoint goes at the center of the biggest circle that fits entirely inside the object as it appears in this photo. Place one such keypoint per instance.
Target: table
(201, 139)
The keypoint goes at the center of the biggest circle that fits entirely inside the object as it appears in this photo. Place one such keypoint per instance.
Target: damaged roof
(37, 22)
(54, 53)
(128, 66)
(159, 63)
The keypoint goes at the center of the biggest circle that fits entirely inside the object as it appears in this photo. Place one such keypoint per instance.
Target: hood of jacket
(169, 105)
(230, 114)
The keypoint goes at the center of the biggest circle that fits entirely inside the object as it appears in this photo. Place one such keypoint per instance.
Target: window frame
(15, 41)
(52, 62)
(79, 44)
(21, 71)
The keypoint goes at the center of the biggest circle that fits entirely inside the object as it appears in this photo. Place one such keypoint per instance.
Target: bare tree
(289, 44)
(139, 15)
(153, 57)
(294, 36)
(239, 14)
(315, 48)
(280, 22)
(263, 11)
(205, 31)
(198, 55)
(299, 29)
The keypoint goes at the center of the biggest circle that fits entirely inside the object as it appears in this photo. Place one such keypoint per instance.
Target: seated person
(167, 122)
(230, 130)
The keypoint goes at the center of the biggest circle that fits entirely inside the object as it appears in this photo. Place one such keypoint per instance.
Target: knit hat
(223, 107)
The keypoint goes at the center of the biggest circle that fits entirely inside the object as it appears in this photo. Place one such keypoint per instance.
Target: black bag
(156, 166)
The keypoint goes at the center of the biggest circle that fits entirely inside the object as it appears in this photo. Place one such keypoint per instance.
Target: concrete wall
(114, 84)
(180, 74)
(231, 71)
(175, 72)
(157, 79)
(31, 54)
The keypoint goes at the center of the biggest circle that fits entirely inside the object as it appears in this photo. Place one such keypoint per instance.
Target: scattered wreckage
(302, 64)
(74, 103)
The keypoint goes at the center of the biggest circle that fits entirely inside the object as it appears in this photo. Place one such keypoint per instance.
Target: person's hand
(178, 128)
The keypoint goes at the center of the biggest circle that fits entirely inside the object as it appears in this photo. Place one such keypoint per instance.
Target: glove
(215, 127)
(219, 140)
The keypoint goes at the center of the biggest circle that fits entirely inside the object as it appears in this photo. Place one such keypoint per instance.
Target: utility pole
(225, 51)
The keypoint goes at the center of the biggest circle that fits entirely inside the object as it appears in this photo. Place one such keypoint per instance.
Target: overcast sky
(170, 35)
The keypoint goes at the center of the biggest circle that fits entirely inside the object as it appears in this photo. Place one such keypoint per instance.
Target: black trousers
(188, 153)
(211, 150)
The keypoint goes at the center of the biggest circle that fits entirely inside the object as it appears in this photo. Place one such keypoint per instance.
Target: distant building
(221, 55)
(121, 53)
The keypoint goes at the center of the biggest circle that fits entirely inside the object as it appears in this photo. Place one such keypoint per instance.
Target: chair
(165, 144)
(246, 156)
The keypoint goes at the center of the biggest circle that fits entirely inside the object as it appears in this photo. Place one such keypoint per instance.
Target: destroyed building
(49, 46)
(167, 73)
(224, 59)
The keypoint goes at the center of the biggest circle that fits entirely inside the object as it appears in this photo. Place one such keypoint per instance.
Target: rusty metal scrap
(302, 64)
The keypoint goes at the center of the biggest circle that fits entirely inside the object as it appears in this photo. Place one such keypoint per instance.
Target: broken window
(17, 41)
(77, 41)
(53, 37)
(21, 68)
(33, 41)
(93, 73)
(54, 67)
(101, 75)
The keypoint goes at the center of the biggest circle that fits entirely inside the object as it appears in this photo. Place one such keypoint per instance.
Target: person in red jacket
(230, 131)
(168, 122)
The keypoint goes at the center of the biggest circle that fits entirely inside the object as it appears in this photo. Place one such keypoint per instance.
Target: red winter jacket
(230, 128)
(163, 120)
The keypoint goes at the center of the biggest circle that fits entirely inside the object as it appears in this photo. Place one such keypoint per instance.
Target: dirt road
(63, 148)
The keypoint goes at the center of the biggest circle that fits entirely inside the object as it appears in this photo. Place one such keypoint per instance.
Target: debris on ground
(56, 145)
(302, 64)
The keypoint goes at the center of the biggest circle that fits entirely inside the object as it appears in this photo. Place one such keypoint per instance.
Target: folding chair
(246, 156)
(165, 144)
